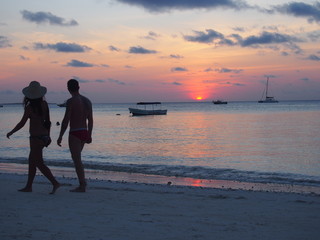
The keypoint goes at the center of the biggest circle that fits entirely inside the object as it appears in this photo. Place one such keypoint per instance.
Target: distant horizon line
(201, 101)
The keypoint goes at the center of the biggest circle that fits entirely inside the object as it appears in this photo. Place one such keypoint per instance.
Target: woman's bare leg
(36, 160)
(32, 168)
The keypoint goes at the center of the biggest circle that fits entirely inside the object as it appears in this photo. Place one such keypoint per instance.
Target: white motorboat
(150, 108)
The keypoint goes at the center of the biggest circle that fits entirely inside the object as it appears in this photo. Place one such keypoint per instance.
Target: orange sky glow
(123, 52)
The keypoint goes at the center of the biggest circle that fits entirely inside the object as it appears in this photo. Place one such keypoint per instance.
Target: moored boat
(62, 104)
(219, 102)
(152, 110)
(268, 99)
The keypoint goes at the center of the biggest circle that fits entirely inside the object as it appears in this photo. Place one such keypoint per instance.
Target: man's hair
(73, 85)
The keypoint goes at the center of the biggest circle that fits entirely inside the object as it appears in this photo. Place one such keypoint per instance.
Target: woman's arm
(22, 122)
(47, 122)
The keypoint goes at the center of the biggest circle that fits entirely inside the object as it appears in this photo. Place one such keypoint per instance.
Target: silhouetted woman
(37, 110)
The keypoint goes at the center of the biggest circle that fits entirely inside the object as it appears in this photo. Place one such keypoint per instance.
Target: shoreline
(102, 175)
(123, 210)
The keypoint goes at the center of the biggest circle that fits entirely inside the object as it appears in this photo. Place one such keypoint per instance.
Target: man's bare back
(78, 115)
(80, 109)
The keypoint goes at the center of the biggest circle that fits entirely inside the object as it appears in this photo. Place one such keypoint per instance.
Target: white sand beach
(115, 210)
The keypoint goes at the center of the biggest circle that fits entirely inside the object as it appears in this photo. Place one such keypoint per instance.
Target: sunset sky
(161, 50)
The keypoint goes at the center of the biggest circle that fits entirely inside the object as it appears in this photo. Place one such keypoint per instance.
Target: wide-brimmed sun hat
(34, 90)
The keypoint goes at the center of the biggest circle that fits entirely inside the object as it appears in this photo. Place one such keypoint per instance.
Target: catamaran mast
(267, 87)
(267, 99)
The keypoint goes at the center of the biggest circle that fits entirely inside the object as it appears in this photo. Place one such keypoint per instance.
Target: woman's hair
(35, 104)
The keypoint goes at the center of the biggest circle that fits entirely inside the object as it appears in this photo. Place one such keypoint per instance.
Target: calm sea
(242, 141)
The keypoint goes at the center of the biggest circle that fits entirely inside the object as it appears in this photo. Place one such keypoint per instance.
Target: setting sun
(199, 98)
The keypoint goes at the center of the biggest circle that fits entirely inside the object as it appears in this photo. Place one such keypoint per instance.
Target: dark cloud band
(168, 5)
(47, 17)
(4, 42)
(62, 47)
(77, 63)
(141, 50)
(300, 9)
(296, 9)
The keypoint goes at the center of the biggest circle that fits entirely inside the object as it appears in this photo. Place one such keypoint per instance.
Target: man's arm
(65, 122)
(90, 123)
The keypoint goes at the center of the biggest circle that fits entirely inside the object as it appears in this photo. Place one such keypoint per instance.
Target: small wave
(196, 172)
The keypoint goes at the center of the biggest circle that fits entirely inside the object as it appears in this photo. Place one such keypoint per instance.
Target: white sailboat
(267, 99)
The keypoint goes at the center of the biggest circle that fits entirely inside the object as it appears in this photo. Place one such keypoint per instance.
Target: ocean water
(240, 141)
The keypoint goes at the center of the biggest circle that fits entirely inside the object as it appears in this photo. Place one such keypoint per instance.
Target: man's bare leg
(76, 147)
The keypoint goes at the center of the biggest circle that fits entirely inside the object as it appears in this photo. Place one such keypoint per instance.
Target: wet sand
(174, 181)
(128, 210)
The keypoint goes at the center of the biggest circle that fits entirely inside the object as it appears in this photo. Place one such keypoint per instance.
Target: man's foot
(79, 189)
(26, 189)
(55, 187)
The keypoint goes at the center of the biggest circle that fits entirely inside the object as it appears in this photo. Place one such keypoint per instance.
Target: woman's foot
(79, 189)
(55, 187)
(26, 189)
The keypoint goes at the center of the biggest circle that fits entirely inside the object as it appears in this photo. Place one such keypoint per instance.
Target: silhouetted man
(79, 115)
